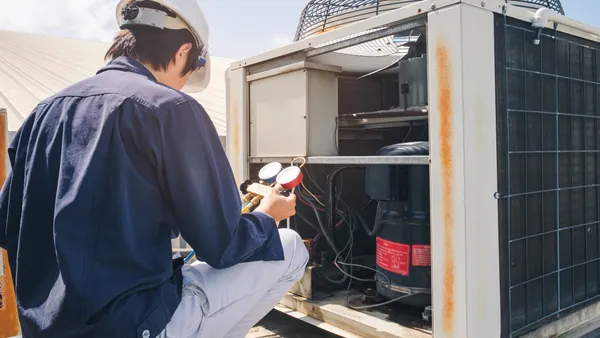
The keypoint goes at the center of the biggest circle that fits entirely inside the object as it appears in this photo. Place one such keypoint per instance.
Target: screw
(482, 4)
(432, 6)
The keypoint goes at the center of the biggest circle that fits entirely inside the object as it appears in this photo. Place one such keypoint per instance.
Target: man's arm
(199, 183)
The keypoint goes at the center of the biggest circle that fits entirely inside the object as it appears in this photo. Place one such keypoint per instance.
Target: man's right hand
(277, 206)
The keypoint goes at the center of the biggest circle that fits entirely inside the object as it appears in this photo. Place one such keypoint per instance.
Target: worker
(107, 171)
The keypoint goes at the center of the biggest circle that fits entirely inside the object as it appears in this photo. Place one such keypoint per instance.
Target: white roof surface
(33, 67)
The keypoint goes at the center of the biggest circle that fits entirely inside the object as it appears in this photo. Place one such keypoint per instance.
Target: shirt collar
(127, 64)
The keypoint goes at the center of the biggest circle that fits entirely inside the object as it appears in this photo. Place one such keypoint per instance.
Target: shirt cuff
(272, 249)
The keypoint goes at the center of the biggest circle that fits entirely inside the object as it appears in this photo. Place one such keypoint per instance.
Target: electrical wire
(329, 240)
(321, 226)
(348, 248)
(408, 133)
(335, 136)
(310, 193)
(307, 221)
(313, 181)
(315, 240)
(350, 217)
(324, 232)
(304, 199)
(376, 223)
(370, 306)
(366, 268)
(351, 244)
(293, 162)
(362, 207)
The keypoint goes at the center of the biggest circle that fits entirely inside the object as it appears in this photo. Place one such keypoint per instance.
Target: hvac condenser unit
(497, 101)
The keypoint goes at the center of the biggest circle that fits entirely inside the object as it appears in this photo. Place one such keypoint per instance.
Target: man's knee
(295, 252)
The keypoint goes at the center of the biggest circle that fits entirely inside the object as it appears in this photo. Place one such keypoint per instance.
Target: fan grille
(323, 15)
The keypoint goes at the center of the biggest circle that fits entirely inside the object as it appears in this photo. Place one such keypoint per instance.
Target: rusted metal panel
(445, 97)
(9, 320)
(466, 300)
(446, 161)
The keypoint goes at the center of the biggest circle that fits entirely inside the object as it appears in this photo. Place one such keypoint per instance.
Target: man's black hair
(154, 46)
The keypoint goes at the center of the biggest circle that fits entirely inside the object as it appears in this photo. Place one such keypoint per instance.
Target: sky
(238, 28)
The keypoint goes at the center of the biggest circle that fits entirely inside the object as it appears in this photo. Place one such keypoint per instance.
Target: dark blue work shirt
(103, 173)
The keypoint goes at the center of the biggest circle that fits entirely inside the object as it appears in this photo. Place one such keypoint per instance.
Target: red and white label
(421, 255)
(393, 257)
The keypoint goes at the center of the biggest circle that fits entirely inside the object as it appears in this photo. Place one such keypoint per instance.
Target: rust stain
(9, 320)
(325, 30)
(445, 132)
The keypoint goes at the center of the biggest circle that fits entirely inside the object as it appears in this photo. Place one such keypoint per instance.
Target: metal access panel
(548, 148)
(293, 111)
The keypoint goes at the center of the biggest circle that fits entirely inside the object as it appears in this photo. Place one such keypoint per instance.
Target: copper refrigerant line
(270, 174)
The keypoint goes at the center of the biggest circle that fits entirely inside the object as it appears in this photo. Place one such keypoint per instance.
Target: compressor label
(393, 257)
(421, 255)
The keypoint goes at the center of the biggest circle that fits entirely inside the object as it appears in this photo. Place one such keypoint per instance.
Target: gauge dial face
(290, 177)
(269, 172)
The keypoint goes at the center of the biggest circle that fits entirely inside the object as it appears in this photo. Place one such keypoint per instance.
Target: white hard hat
(189, 16)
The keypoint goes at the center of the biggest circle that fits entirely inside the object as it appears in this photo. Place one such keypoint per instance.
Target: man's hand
(277, 206)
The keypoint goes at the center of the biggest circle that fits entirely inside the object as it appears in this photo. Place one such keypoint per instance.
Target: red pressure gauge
(290, 177)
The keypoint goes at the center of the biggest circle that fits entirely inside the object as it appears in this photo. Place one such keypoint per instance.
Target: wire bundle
(343, 260)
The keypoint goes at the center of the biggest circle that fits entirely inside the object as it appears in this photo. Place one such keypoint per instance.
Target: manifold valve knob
(244, 186)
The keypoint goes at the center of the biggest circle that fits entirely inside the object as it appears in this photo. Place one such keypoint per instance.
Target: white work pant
(229, 302)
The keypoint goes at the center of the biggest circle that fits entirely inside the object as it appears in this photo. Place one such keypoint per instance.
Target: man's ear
(185, 48)
(183, 52)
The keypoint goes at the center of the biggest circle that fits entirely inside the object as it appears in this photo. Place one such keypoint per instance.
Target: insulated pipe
(544, 15)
